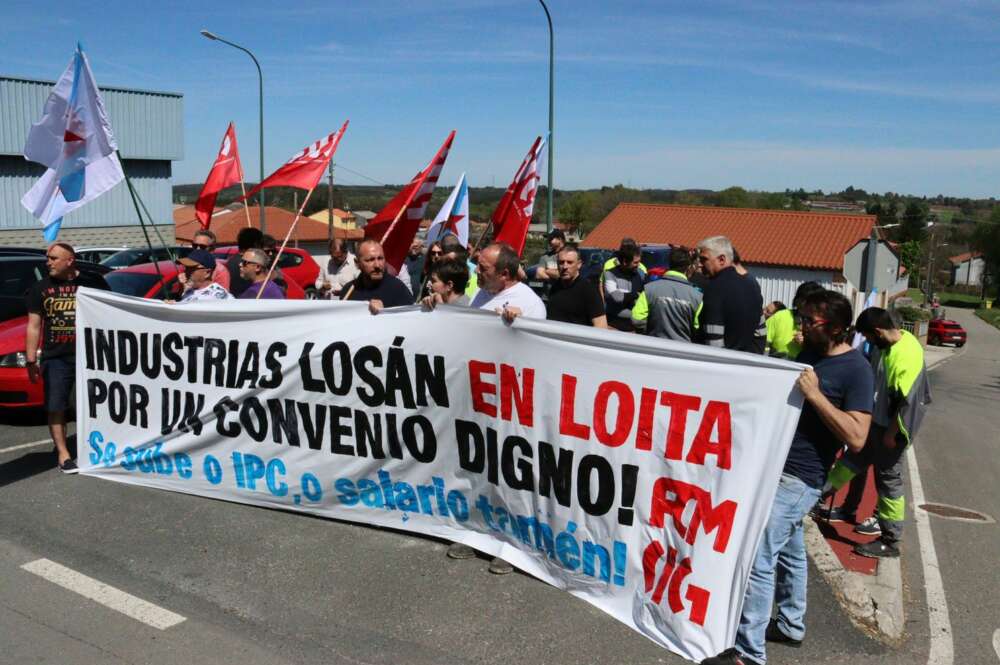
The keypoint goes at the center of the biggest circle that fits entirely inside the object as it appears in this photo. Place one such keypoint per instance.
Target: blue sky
(888, 96)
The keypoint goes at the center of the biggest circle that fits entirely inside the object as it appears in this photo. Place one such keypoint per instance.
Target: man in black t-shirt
(374, 284)
(574, 300)
(838, 391)
(52, 312)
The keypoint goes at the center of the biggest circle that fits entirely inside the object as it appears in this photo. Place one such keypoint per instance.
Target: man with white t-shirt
(500, 290)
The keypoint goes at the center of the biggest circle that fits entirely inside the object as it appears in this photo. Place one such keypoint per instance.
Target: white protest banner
(634, 473)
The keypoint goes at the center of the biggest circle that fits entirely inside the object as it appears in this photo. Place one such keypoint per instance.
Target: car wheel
(932, 341)
(959, 345)
(312, 294)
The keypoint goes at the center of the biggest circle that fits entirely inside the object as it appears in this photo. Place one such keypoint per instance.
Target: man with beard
(574, 300)
(374, 285)
(838, 389)
(622, 288)
(901, 397)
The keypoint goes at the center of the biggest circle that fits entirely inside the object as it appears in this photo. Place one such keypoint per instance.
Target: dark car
(946, 331)
(19, 271)
(140, 255)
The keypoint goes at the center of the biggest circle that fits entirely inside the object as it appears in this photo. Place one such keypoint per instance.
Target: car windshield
(123, 259)
(131, 283)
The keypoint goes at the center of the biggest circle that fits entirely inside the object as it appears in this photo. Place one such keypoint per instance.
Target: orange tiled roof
(765, 237)
(962, 258)
(279, 220)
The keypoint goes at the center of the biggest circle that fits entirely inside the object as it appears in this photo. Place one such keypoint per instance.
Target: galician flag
(453, 217)
(74, 141)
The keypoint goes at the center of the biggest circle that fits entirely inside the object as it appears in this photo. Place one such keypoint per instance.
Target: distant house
(226, 224)
(781, 249)
(967, 269)
(342, 219)
(362, 217)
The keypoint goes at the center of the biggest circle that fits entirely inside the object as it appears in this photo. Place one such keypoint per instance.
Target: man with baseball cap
(198, 267)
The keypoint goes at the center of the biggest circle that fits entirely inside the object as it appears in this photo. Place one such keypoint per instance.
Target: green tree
(911, 255)
(913, 225)
(734, 197)
(986, 239)
(578, 210)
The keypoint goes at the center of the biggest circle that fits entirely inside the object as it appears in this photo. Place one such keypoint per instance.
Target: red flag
(305, 169)
(396, 228)
(513, 214)
(225, 171)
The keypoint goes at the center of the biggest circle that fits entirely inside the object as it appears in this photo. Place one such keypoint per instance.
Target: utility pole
(329, 204)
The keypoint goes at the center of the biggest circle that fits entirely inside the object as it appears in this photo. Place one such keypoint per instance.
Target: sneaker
(835, 514)
(500, 567)
(460, 551)
(774, 634)
(870, 527)
(729, 657)
(69, 466)
(877, 549)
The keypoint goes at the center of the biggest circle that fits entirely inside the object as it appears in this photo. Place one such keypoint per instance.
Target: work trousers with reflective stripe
(888, 463)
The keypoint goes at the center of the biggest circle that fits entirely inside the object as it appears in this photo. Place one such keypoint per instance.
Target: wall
(781, 283)
(969, 272)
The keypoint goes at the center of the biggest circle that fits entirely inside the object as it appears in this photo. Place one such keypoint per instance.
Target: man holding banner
(374, 285)
(839, 390)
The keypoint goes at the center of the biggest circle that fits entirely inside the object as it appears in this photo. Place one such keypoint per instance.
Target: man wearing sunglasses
(205, 240)
(253, 268)
(197, 269)
(838, 390)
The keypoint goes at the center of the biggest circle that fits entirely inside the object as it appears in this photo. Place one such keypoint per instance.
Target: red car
(297, 265)
(16, 391)
(946, 331)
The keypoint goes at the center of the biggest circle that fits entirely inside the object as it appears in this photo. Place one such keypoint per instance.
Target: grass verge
(990, 316)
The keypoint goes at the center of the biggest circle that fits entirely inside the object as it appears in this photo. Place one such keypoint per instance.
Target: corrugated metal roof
(147, 124)
(764, 237)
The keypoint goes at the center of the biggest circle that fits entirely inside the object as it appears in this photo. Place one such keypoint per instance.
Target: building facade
(148, 126)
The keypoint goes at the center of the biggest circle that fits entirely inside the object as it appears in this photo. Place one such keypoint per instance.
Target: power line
(362, 175)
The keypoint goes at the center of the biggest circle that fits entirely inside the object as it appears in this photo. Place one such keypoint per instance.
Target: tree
(734, 197)
(914, 223)
(911, 255)
(578, 210)
(986, 239)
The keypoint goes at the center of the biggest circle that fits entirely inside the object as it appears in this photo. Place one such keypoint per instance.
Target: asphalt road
(263, 586)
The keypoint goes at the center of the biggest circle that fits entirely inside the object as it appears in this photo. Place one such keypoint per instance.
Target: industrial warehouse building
(148, 126)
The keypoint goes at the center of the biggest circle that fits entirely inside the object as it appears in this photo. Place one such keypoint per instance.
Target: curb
(874, 603)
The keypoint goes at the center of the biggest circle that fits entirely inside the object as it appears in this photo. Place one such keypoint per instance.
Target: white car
(97, 254)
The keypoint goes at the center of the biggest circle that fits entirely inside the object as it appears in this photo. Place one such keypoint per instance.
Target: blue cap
(199, 258)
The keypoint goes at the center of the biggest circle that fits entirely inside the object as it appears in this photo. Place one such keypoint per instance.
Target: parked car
(138, 255)
(297, 265)
(97, 254)
(17, 273)
(946, 331)
(16, 391)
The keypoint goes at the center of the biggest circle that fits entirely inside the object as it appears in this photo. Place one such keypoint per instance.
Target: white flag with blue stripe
(454, 215)
(75, 142)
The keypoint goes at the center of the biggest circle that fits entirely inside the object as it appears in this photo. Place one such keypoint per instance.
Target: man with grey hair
(731, 309)
(253, 268)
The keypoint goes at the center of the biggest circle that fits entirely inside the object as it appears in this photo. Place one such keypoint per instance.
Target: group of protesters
(863, 401)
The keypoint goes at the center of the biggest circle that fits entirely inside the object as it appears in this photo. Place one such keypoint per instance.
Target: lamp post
(260, 92)
(552, 135)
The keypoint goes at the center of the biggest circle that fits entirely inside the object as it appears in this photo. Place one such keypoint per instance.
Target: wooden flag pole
(243, 186)
(284, 243)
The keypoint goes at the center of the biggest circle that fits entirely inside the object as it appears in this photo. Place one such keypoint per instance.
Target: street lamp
(552, 135)
(260, 91)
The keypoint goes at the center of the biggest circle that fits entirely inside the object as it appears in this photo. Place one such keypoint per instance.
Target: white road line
(942, 651)
(996, 641)
(99, 592)
(25, 445)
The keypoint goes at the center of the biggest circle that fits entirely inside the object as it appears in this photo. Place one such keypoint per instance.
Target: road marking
(33, 444)
(996, 641)
(942, 651)
(99, 592)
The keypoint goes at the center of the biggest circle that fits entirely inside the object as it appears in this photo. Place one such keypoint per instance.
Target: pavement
(263, 586)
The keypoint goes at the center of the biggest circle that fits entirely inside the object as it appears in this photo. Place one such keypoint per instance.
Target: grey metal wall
(151, 179)
(147, 124)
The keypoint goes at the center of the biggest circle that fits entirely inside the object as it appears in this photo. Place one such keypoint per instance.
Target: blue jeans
(779, 571)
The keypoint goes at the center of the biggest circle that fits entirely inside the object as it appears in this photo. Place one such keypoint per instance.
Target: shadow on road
(23, 417)
(26, 466)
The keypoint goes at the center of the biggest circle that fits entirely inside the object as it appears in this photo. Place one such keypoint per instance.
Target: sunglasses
(253, 263)
(813, 321)
(194, 268)
(197, 246)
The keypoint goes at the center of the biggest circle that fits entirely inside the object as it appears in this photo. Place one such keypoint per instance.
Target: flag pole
(244, 188)
(427, 278)
(152, 222)
(274, 264)
(135, 203)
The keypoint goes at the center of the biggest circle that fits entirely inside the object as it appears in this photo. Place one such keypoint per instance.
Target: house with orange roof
(780, 248)
(967, 269)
